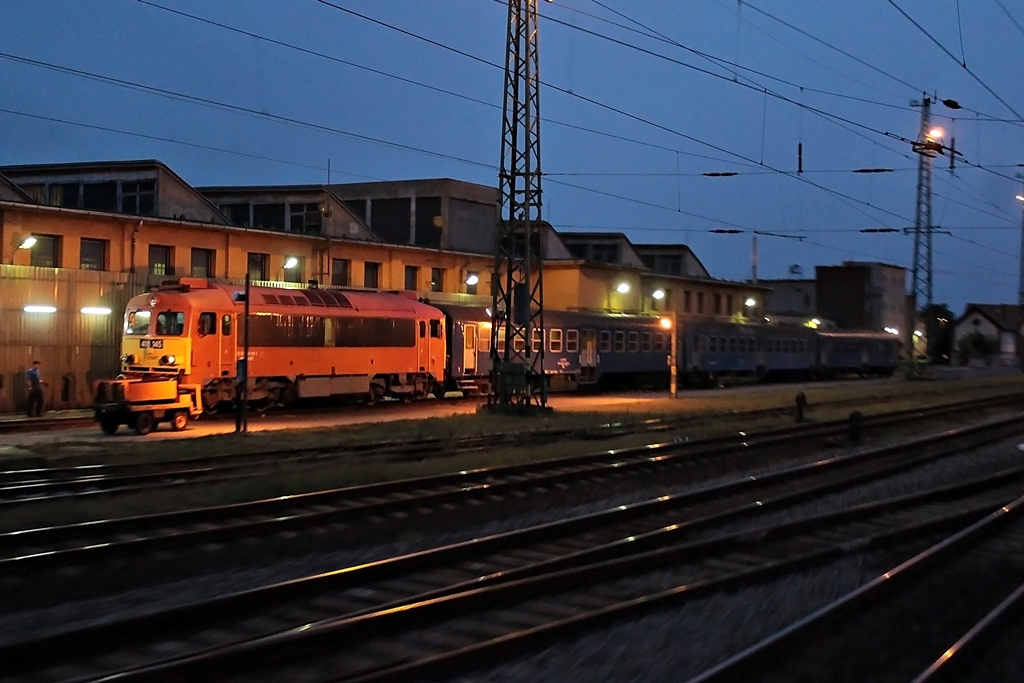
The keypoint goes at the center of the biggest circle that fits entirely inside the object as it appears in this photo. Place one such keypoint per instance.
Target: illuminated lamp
(40, 309)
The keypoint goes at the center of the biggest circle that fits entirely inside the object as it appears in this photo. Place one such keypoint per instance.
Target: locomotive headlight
(167, 360)
(128, 358)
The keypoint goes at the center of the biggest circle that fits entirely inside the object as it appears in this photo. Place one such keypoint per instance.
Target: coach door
(469, 346)
(588, 356)
(228, 345)
(206, 346)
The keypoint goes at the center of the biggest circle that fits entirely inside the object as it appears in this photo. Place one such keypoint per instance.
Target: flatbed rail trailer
(142, 404)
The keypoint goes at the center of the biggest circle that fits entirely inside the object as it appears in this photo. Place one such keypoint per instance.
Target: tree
(938, 320)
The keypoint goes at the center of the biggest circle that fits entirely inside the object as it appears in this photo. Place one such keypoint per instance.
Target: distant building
(999, 324)
(859, 295)
(790, 301)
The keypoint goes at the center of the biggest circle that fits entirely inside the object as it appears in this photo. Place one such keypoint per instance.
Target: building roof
(1004, 316)
(11, 192)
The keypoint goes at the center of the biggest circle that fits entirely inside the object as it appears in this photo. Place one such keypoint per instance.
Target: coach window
(604, 341)
(555, 341)
(572, 341)
(518, 343)
(484, 337)
(634, 342)
(620, 342)
(659, 342)
(645, 341)
(732, 344)
(207, 323)
(538, 339)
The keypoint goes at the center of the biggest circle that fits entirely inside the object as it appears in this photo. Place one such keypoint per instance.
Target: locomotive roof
(314, 298)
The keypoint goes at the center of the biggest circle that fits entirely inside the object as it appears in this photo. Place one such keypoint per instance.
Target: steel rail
(498, 559)
(459, 631)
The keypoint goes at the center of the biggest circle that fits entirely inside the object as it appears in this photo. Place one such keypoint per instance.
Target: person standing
(34, 384)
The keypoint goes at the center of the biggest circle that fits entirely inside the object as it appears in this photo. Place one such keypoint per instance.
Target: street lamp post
(241, 416)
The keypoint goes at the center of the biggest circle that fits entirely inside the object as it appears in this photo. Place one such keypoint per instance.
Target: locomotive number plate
(151, 343)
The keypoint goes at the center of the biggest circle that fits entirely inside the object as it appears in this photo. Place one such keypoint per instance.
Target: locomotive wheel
(144, 423)
(375, 394)
(109, 424)
(179, 420)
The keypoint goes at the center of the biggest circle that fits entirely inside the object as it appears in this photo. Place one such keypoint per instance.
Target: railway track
(366, 509)
(26, 486)
(928, 619)
(455, 607)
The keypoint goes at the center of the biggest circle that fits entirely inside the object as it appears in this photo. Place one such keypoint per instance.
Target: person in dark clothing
(34, 384)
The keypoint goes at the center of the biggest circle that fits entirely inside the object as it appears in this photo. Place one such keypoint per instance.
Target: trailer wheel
(109, 424)
(144, 423)
(179, 420)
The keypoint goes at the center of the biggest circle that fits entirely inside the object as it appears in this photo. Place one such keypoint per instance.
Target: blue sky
(640, 99)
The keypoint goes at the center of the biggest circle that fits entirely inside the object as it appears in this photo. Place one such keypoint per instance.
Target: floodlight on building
(918, 333)
(28, 242)
(290, 262)
(666, 323)
(40, 309)
(95, 310)
(658, 294)
(750, 301)
(472, 279)
(622, 288)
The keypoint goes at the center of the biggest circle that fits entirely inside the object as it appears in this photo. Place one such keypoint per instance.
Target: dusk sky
(640, 98)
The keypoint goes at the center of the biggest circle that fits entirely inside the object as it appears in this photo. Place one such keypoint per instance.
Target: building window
(45, 253)
(295, 273)
(728, 304)
(100, 196)
(202, 263)
(36, 192)
(437, 279)
(371, 275)
(258, 265)
(161, 259)
(65, 194)
(305, 218)
(718, 304)
(268, 216)
(700, 302)
(340, 268)
(237, 214)
(139, 197)
(687, 300)
(605, 253)
(412, 276)
(93, 255)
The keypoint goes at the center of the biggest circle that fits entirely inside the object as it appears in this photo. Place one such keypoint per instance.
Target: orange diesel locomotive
(302, 343)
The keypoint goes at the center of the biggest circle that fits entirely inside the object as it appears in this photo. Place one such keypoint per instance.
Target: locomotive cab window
(423, 330)
(170, 323)
(136, 323)
(435, 329)
(207, 323)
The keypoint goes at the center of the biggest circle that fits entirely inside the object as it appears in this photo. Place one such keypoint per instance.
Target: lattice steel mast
(517, 284)
(927, 149)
